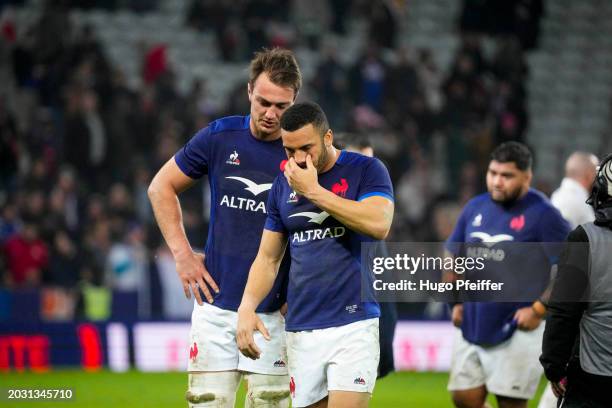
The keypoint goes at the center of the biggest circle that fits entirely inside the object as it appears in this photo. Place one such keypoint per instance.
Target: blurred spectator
(199, 101)
(402, 85)
(330, 83)
(97, 244)
(43, 143)
(26, 255)
(23, 58)
(34, 205)
(528, 14)
(254, 19)
(55, 219)
(474, 16)
(431, 79)
(142, 205)
(174, 307)
(96, 209)
(67, 183)
(510, 114)
(95, 301)
(412, 191)
(367, 79)
(120, 209)
(65, 262)
(520, 18)
(127, 267)
(144, 119)
(85, 140)
(155, 63)
(9, 149)
(9, 222)
(383, 27)
(339, 10)
(312, 19)
(125, 138)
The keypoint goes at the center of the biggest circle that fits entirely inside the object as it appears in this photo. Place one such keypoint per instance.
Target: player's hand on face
(457, 315)
(193, 274)
(302, 181)
(248, 322)
(526, 319)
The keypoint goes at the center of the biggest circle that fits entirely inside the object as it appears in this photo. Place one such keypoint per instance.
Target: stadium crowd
(78, 146)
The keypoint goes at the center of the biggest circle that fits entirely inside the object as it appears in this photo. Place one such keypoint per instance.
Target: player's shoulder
(354, 159)
(228, 124)
(537, 198)
(547, 212)
(477, 201)
(280, 181)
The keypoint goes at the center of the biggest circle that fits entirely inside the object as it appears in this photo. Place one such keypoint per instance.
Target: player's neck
(333, 158)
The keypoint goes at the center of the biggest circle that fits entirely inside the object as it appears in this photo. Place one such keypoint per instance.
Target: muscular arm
(371, 216)
(264, 269)
(163, 193)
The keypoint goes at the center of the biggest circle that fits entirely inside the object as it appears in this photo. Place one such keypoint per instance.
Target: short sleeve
(193, 158)
(274, 221)
(553, 227)
(376, 181)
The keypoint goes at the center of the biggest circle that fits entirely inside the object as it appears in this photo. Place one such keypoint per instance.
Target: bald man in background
(570, 198)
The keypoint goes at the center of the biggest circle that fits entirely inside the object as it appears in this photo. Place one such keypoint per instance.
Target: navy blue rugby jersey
(325, 274)
(530, 219)
(240, 171)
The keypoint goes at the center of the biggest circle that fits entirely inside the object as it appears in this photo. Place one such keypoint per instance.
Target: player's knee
(267, 391)
(212, 390)
(465, 399)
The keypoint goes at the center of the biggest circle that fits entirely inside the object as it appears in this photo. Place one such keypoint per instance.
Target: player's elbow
(153, 190)
(380, 231)
(156, 190)
(381, 226)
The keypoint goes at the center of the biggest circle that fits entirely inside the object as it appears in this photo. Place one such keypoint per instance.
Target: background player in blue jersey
(241, 155)
(325, 205)
(499, 344)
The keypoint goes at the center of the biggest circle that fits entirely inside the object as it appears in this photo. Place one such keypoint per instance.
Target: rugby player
(498, 346)
(325, 205)
(241, 155)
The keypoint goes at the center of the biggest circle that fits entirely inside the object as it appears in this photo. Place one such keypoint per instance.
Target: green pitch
(134, 389)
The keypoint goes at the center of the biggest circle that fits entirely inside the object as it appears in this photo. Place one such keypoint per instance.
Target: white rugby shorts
(213, 342)
(343, 358)
(510, 369)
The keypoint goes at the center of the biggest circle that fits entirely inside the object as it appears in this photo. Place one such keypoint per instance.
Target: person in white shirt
(570, 199)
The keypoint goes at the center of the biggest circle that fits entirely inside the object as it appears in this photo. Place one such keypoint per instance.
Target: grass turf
(136, 389)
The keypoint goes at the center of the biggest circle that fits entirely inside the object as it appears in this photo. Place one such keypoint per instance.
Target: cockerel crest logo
(340, 188)
(193, 351)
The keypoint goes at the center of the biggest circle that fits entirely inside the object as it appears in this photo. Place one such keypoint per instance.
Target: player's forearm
(261, 279)
(167, 210)
(362, 217)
